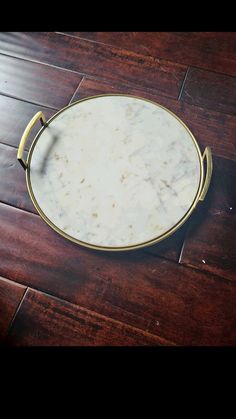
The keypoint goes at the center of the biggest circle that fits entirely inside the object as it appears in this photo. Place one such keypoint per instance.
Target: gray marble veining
(115, 171)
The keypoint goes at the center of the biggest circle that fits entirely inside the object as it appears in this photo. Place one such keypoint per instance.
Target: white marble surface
(115, 171)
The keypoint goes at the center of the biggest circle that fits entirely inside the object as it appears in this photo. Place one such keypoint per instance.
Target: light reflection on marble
(115, 171)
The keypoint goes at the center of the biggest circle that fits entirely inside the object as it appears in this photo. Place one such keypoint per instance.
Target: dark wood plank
(210, 244)
(96, 59)
(176, 303)
(211, 50)
(46, 321)
(37, 83)
(10, 297)
(14, 116)
(210, 90)
(221, 196)
(13, 189)
(210, 128)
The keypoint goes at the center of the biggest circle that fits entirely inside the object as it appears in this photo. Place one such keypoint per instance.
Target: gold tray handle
(209, 167)
(39, 116)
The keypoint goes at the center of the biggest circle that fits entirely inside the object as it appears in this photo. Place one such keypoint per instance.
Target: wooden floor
(179, 292)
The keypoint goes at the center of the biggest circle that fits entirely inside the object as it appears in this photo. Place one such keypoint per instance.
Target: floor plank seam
(16, 312)
(123, 84)
(78, 72)
(84, 74)
(213, 71)
(181, 251)
(195, 268)
(183, 84)
(184, 241)
(11, 145)
(76, 90)
(145, 55)
(209, 273)
(127, 84)
(28, 101)
(148, 56)
(162, 257)
(105, 317)
(19, 209)
(131, 84)
(30, 60)
(92, 41)
(209, 108)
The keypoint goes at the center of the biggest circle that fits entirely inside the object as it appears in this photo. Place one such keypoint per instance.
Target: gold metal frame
(200, 194)
(39, 116)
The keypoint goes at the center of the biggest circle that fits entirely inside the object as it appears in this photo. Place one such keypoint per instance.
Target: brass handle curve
(39, 116)
(209, 167)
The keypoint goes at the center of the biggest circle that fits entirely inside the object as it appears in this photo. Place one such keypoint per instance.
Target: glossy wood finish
(14, 116)
(45, 320)
(210, 90)
(210, 244)
(144, 291)
(96, 60)
(36, 83)
(179, 292)
(210, 50)
(11, 295)
(210, 128)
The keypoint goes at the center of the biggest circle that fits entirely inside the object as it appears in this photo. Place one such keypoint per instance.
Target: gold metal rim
(118, 248)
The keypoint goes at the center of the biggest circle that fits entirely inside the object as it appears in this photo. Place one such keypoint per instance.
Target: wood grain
(210, 244)
(210, 90)
(210, 128)
(14, 117)
(142, 297)
(36, 83)
(210, 50)
(10, 297)
(174, 302)
(46, 321)
(96, 60)
(13, 189)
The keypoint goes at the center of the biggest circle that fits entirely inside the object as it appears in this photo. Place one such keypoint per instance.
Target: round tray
(114, 172)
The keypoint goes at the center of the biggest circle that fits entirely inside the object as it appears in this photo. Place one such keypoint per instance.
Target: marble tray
(114, 172)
